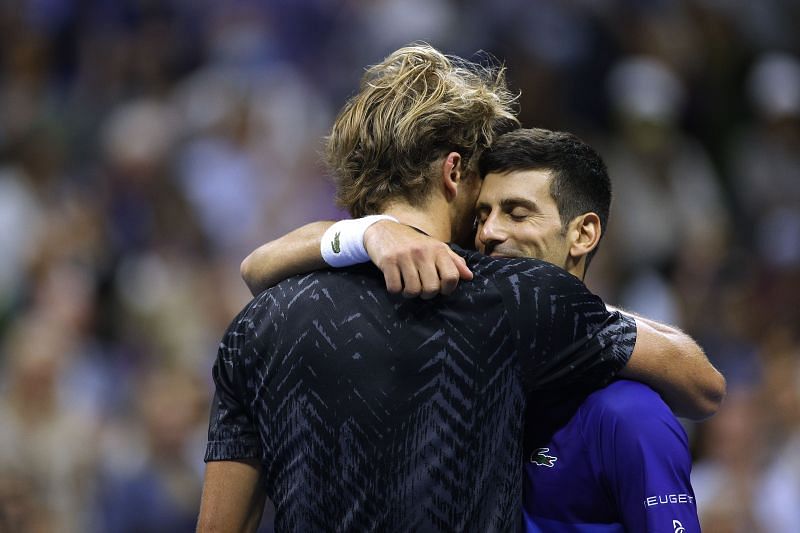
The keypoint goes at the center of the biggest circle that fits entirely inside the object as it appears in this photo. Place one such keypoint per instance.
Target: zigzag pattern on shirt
(376, 413)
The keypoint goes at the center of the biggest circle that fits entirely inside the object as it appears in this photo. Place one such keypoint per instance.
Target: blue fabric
(618, 461)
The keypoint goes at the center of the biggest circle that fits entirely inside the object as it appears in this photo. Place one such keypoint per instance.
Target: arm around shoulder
(297, 252)
(414, 263)
(675, 366)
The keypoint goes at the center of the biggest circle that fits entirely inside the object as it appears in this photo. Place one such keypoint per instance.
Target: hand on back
(413, 263)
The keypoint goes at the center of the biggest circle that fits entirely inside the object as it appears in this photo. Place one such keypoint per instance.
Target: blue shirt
(618, 461)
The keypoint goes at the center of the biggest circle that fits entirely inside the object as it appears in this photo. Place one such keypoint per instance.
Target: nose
(491, 234)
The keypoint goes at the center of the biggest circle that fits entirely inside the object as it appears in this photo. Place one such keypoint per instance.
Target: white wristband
(343, 244)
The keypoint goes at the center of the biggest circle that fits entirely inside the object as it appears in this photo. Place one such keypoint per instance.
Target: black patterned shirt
(371, 412)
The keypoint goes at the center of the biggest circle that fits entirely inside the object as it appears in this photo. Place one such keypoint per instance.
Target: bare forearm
(674, 365)
(294, 253)
(411, 262)
(233, 499)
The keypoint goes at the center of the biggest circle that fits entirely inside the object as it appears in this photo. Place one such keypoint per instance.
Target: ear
(584, 233)
(451, 174)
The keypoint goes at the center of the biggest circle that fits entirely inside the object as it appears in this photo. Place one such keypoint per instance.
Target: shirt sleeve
(232, 433)
(646, 465)
(565, 334)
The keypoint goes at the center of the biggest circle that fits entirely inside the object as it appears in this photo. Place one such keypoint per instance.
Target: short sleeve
(565, 334)
(646, 463)
(232, 433)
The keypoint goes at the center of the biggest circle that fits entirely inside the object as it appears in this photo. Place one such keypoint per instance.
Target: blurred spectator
(725, 480)
(667, 194)
(151, 481)
(251, 135)
(41, 437)
(21, 505)
(779, 487)
(765, 162)
(19, 208)
(666, 190)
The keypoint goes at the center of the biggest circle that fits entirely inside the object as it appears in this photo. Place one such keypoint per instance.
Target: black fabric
(371, 412)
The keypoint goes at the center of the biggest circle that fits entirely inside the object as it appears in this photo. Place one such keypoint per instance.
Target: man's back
(372, 412)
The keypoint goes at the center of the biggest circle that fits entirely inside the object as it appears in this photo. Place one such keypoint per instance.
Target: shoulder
(307, 289)
(622, 398)
(519, 271)
(628, 408)
(268, 308)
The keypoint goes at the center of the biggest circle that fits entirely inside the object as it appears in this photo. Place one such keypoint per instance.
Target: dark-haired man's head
(546, 194)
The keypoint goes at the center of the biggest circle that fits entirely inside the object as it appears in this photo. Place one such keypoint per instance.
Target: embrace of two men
(355, 408)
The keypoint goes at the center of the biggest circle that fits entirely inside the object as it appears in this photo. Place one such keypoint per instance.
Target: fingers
(412, 286)
(461, 265)
(413, 264)
(448, 273)
(429, 277)
(428, 272)
(393, 278)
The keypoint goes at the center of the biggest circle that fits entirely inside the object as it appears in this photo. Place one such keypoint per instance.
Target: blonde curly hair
(412, 109)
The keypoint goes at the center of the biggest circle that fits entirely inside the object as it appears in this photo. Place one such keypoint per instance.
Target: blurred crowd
(147, 145)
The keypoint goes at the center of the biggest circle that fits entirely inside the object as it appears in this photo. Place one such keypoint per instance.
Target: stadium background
(146, 146)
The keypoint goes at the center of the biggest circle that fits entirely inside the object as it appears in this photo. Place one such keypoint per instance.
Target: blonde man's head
(412, 109)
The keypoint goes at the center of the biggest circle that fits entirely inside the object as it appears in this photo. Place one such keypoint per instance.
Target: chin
(507, 254)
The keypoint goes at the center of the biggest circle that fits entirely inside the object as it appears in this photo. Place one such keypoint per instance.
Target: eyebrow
(507, 204)
(510, 203)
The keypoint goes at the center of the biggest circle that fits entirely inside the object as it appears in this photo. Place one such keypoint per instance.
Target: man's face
(517, 217)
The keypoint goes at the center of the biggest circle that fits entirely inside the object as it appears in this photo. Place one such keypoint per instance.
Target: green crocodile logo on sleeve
(335, 246)
(539, 457)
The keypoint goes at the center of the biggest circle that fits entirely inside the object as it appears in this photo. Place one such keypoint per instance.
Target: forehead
(533, 185)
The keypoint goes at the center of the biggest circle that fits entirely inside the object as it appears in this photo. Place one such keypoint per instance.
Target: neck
(433, 220)
(576, 268)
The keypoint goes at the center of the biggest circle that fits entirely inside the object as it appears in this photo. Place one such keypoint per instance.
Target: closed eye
(518, 214)
(483, 214)
(519, 208)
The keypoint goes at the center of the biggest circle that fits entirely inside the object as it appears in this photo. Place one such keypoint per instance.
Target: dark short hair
(580, 179)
